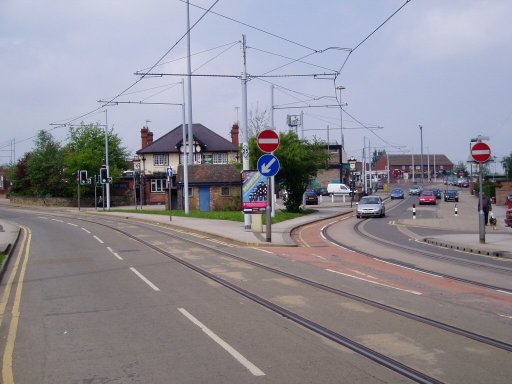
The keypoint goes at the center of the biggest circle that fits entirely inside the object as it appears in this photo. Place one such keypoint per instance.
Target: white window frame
(220, 158)
(158, 185)
(163, 159)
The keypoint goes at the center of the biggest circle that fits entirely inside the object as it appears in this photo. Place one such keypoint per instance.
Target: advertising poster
(254, 192)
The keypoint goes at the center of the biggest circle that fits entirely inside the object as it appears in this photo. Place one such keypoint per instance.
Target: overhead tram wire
(151, 68)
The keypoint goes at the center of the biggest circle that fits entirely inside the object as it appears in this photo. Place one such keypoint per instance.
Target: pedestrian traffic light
(83, 177)
(103, 176)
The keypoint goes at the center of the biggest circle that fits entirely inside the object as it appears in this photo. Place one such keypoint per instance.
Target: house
(338, 171)
(408, 166)
(210, 151)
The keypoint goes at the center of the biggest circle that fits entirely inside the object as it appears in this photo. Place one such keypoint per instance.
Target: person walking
(486, 207)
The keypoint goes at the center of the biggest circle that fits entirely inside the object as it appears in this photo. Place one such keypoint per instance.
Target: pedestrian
(486, 207)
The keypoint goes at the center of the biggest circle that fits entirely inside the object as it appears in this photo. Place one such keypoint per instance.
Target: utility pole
(245, 140)
(185, 162)
(189, 86)
(107, 185)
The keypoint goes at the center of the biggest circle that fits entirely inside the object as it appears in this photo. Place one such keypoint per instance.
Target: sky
(444, 65)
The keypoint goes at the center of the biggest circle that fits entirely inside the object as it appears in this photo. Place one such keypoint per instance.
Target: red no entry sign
(481, 152)
(268, 140)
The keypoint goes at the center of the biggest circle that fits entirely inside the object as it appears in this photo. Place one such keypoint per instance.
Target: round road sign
(268, 140)
(481, 152)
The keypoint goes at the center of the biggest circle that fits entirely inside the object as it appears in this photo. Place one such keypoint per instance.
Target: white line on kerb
(97, 238)
(374, 282)
(233, 352)
(144, 279)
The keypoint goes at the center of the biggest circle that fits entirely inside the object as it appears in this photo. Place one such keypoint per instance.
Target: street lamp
(340, 88)
(421, 159)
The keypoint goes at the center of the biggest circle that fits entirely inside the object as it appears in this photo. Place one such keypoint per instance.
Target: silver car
(370, 206)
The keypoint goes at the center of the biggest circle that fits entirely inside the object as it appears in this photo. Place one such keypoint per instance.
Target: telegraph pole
(245, 140)
(107, 186)
(189, 86)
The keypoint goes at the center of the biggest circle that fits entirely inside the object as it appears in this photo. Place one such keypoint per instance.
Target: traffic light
(83, 177)
(103, 176)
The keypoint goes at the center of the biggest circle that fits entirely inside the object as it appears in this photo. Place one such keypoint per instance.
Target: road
(97, 300)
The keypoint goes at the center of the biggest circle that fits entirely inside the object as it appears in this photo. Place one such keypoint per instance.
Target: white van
(338, 189)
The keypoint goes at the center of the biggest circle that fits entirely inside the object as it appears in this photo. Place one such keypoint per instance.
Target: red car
(427, 197)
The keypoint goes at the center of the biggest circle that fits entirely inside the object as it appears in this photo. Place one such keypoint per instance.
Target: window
(160, 159)
(225, 191)
(220, 158)
(157, 185)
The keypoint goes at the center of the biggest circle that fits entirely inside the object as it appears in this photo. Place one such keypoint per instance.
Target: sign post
(268, 165)
(481, 153)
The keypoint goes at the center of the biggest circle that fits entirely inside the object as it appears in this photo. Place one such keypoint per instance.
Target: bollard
(414, 211)
(456, 210)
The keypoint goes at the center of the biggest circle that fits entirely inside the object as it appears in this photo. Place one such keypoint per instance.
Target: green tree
(507, 166)
(18, 177)
(45, 167)
(86, 151)
(300, 160)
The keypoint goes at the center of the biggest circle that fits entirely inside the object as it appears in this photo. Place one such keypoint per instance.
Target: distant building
(210, 153)
(409, 166)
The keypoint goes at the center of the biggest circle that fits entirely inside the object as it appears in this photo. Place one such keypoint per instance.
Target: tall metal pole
(107, 186)
(245, 139)
(273, 127)
(413, 170)
(185, 161)
(189, 86)
(421, 141)
(481, 217)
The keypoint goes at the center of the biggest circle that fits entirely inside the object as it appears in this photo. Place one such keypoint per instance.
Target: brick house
(209, 151)
(401, 166)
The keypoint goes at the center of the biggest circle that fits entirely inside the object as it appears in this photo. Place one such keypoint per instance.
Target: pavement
(497, 242)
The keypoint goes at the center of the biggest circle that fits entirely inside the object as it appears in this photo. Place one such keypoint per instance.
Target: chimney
(150, 137)
(144, 136)
(234, 134)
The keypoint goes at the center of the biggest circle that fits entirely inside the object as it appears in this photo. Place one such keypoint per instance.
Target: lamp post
(340, 88)
(421, 158)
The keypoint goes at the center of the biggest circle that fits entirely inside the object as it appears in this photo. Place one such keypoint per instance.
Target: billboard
(254, 192)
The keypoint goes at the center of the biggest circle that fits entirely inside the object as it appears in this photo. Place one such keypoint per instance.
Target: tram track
(336, 337)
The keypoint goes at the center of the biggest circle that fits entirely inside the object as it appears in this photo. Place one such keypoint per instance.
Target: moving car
(311, 197)
(370, 206)
(338, 189)
(437, 192)
(397, 193)
(451, 195)
(415, 190)
(428, 197)
(322, 192)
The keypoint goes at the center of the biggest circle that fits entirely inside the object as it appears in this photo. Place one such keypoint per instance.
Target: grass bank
(220, 215)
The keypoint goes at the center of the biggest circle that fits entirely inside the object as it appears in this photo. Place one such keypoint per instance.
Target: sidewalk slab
(498, 245)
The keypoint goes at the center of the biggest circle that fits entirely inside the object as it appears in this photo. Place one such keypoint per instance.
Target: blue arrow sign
(268, 165)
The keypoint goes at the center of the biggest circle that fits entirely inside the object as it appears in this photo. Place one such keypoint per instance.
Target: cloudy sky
(445, 65)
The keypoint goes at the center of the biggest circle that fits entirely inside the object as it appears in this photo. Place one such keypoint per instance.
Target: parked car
(451, 195)
(428, 197)
(415, 190)
(379, 185)
(370, 206)
(437, 192)
(463, 183)
(397, 193)
(322, 192)
(311, 197)
(338, 189)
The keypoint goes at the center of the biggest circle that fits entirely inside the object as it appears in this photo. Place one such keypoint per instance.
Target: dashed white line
(59, 221)
(114, 253)
(99, 240)
(72, 224)
(145, 279)
(83, 229)
(233, 352)
(374, 282)
(505, 292)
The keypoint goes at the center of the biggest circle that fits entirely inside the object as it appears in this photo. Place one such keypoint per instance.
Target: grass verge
(218, 215)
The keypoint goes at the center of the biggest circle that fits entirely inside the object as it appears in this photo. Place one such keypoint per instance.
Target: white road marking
(404, 267)
(97, 238)
(374, 282)
(83, 229)
(73, 225)
(144, 279)
(233, 352)
(319, 257)
(60, 221)
(505, 292)
(506, 316)
(114, 253)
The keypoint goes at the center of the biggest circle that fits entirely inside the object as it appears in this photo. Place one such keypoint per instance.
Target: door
(204, 198)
